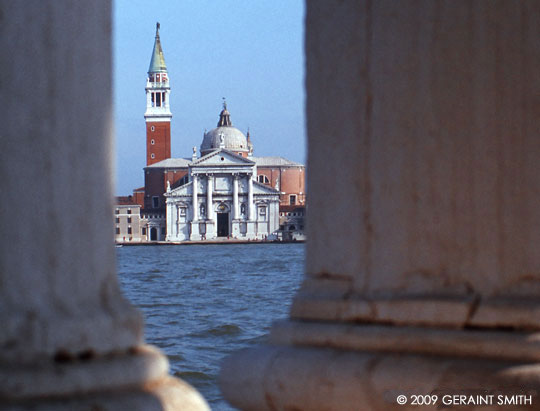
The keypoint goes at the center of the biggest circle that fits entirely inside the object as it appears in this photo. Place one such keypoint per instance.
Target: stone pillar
(235, 197)
(209, 208)
(168, 220)
(423, 266)
(251, 214)
(173, 225)
(195, 198)
(69, 339)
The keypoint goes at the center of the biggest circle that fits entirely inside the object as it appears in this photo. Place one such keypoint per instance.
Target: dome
(224, 136)
(233, 139)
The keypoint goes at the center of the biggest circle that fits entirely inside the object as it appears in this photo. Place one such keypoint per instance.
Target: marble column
(175, 216)
(422, 266)
(235, 197)
(170, 209)
(195, 198)
(209, 207)
(251, 213)
(69, 340)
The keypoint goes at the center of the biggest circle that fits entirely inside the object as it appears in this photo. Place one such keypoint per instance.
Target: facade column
(195, 197)
(69, 339)
(235, 197)
(251, 212)
(432, 283)
(168, 219)
(175, 219)
(209, 189)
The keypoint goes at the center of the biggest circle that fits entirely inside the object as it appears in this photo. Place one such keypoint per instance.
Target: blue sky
(250, 52)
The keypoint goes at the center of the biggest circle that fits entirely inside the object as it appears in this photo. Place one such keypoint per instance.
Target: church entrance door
(222, 224)
(153, 234)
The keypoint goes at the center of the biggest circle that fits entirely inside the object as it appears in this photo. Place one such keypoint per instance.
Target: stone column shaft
(209, 206)
(251, 213)
(195, 198)
(235, 197)
(422, 266)
(69, 340)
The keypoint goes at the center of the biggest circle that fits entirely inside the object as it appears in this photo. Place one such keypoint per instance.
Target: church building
(226, 192)
(222, 199)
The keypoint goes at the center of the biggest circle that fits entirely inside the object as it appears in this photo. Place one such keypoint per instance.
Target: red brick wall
(161, 137)
(174, 176)
(155, 185)
(293, 181)
(155, 182)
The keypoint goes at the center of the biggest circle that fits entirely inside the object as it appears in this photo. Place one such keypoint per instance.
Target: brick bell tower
(158, 114)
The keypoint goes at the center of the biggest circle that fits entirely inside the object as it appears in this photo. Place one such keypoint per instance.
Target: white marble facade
(235, 206)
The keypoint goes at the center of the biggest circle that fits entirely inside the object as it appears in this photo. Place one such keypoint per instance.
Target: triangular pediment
(186, 189)
(259, 188)
(222, 157)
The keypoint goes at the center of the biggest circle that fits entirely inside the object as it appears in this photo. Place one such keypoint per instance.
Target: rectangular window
(117, 230)
(155, 202)
(292, 199)
(117, 211)
(129, 230)
(117, 220)
(129, 219)
(129, 210)
(143, 231)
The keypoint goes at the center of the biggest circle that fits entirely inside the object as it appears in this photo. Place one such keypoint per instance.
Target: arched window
(202, 211)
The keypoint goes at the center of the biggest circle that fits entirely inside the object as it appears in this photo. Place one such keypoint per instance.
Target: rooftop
(171, 163)
(274, 161)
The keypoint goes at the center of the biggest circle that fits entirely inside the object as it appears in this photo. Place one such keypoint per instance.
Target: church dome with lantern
(225, 135)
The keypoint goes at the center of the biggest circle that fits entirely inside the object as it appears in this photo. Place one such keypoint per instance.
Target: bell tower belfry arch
(158, 114)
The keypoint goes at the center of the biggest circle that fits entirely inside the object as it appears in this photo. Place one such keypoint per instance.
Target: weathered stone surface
(424, 116)
(164, 394)
(58, 289)
(501, 345)
(302, 378)
(423, 266)
(68, 339)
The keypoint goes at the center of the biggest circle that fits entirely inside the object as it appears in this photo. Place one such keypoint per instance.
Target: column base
(211, 231)
(345, 369)
(250, 229)
(195, 235)
(136, 380)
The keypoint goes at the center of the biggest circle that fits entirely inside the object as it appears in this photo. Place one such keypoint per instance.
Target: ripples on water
(202, 302)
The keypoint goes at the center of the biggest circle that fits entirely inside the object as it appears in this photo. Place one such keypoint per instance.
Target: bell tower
(158, 114)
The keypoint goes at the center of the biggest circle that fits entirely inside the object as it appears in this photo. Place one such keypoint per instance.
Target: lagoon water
(203, 302)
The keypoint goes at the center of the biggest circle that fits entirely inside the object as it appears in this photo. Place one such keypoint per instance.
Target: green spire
(157, 63)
